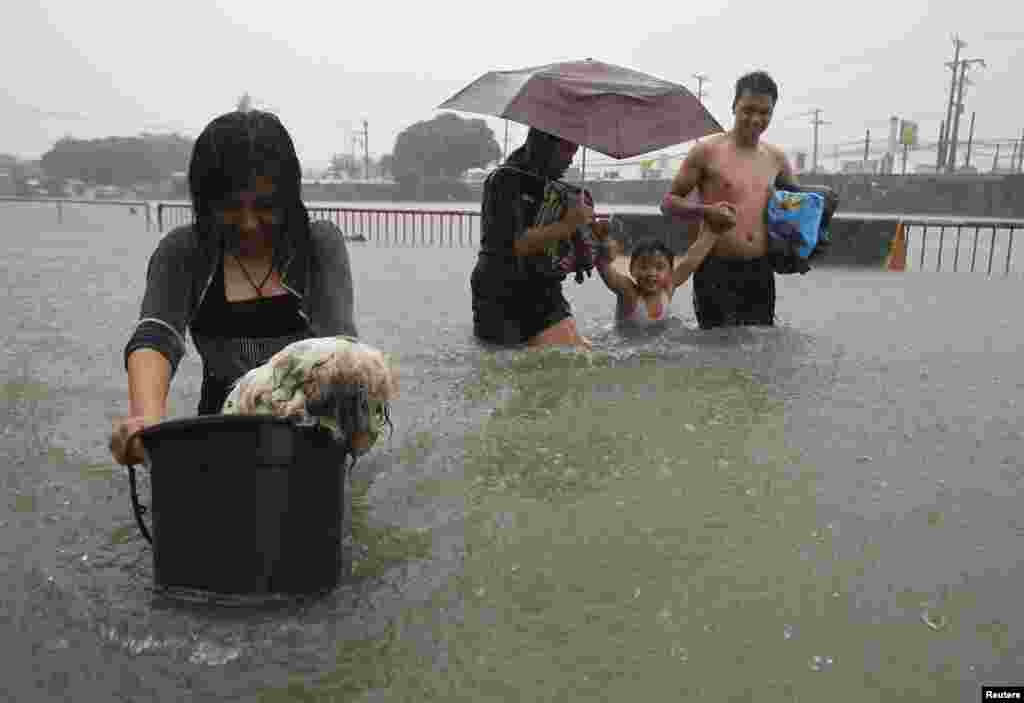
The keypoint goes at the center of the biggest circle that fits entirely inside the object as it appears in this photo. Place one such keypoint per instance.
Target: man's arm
(690, 174)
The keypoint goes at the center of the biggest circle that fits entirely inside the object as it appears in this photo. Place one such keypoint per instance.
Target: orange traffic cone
(897, 258)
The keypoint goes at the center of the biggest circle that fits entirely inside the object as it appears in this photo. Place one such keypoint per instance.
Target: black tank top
(236, 337)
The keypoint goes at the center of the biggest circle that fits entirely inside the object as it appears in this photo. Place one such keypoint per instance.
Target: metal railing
(964, 245)
(387, 227)
(933, 243)
(60, 203)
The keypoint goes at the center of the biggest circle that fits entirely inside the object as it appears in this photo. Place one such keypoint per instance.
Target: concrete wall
(857, 242)
(961, 195)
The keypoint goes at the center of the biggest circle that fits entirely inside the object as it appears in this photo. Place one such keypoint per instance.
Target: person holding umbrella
(516, 300)
(611, 109)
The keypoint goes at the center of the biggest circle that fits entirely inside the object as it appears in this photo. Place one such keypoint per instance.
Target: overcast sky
(94, 69)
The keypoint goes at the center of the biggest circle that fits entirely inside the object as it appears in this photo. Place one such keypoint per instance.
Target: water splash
(213, 654)
(820, 663)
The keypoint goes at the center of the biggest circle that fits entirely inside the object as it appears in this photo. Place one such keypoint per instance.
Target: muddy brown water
(824, 509)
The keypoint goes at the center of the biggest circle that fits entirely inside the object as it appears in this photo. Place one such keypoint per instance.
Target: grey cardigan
(181, 269)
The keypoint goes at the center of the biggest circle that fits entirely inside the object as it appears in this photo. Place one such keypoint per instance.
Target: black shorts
(512, 313)
(729, 292)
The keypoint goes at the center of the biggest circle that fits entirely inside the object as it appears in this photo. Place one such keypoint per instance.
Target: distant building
(7, 185)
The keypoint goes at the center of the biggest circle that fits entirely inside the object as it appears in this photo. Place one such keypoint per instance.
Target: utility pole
(970, 140)
(816, 122)
(867, 146)
(944, 139)
(964, 65)
(955, 125)
(366, 150)
(1020, 153)
(701, 80)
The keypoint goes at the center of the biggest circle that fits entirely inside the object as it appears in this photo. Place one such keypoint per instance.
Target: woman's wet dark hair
(651, 247)
(229, 152)
(756, 83)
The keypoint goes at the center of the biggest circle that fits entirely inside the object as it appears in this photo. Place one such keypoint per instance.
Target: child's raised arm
(615, 281)
(694, 256)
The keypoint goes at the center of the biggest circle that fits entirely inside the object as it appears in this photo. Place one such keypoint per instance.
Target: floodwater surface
(827, 509)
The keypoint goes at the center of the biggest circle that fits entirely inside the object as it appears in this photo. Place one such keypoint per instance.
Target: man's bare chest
(740, 181)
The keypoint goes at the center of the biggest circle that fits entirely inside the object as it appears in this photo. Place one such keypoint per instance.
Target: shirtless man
(734, 173)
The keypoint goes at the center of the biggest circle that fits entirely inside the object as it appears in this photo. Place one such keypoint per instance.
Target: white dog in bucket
(338, 382)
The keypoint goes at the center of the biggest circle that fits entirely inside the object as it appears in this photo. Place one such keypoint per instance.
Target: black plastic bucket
(244, 505)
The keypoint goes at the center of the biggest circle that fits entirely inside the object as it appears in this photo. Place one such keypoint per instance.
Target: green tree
(121, 161)
(443, 149)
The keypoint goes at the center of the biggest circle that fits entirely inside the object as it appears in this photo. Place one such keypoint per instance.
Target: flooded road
(824, 509)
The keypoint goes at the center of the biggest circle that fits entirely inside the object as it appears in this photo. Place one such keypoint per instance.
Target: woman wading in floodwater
(516, 299)
(252, 275)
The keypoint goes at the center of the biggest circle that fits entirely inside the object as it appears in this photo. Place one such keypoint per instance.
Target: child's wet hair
(651, 247)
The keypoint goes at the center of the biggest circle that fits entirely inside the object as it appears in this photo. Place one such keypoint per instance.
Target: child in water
(645, 295)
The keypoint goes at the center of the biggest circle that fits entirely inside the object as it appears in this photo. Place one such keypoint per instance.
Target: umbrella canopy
(614, 110)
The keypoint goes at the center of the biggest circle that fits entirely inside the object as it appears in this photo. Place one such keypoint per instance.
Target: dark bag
(787, 262)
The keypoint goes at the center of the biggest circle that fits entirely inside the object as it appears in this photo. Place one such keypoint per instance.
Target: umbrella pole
(583, 171)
